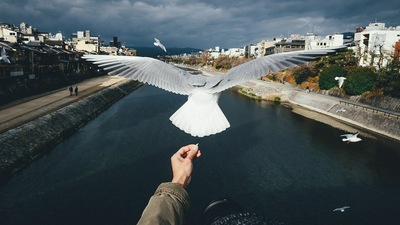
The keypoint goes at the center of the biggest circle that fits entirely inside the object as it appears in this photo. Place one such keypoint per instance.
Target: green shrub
(360, 80)
(327, 76)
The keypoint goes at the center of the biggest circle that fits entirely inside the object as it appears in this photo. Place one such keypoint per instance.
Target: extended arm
(170, 202)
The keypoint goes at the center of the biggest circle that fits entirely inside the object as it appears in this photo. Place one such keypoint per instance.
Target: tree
(327, 76)
(301, 73)
(360, 80)
(389, 79)
(222, 62)
(342, 58)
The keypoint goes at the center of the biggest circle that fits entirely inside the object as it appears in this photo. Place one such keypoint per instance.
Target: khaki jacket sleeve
(168, 205)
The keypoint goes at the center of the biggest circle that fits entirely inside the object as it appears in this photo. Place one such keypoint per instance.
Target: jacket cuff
(174, 190)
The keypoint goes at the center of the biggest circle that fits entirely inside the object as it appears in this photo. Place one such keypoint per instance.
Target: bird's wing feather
(268, 64)
(347, 135)
(146, 70)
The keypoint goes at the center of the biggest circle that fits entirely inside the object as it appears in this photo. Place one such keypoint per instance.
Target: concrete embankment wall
(21, 145)
(367, 119)
(357, 117)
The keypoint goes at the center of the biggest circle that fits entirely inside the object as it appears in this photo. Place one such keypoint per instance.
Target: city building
(81, 41)
(313, 41)
(251, 51)
(235, 52)
(266, 48)
(289, 45)
(8, 33)
(214, 52)
(377, 44)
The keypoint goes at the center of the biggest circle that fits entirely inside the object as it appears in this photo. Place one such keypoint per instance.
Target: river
(273, 162)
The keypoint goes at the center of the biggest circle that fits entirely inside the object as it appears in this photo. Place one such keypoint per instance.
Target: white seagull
(342, 209)
(351, 137)
(4, 56)
(341, 110)
(200, 116)
(158, 43)
(341, 80)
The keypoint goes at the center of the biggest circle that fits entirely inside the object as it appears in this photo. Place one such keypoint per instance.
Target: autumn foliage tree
(301, 73)
(224, 62)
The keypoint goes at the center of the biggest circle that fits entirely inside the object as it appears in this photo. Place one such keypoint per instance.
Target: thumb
(194, 149)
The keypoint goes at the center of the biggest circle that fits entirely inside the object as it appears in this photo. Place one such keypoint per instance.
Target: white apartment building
(317, 42)
(376, 44)
(234, 52)
(214, 52)
(8, 34)
(253, 50)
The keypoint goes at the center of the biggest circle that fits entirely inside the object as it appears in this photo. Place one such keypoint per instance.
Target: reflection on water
(272, 161)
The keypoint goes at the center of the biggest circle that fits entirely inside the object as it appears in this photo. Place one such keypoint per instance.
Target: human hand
(182, 164)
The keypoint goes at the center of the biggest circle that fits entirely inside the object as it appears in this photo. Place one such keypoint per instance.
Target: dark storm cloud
(198, 23)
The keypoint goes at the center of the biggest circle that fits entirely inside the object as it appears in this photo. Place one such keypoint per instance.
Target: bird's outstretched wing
(350, 135)
(269, 64)
(146, 70)
(347, 135)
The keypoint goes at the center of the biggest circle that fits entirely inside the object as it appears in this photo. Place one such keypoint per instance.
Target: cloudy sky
(198, 23)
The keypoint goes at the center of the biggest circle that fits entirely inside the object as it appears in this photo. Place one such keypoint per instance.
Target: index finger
(183, 151)
(194, 152)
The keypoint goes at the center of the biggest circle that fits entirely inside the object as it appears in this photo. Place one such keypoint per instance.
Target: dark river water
(273, 162)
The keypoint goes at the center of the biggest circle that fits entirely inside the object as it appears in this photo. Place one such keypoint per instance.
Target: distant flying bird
(341, 209)
(351, 137)
(4, 56)
(200, 115)
(341, 80)
(158, 43)
(341, 110)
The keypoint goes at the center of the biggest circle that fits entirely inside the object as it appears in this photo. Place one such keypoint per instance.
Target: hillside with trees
(368, 83)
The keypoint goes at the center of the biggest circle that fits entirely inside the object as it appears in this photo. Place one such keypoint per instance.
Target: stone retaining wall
(21, 145)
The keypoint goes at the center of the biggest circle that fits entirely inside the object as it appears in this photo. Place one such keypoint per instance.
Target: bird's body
(341, 209)
(351, 137)
(158, 43)
(340, 80)
(200, 116)
(3, 56)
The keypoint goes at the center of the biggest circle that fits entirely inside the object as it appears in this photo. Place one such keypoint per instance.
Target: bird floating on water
(351, 137)
(3, 56)
(341, 209)
(158, 43)
(201, 116)
(340, 80)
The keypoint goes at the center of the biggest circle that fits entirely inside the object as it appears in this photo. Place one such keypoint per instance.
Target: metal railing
(373, 109)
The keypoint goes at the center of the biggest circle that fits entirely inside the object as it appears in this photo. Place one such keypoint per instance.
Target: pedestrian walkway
(22, 111)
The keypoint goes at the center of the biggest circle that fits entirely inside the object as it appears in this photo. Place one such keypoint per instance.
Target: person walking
(76, 90)
(71, 90)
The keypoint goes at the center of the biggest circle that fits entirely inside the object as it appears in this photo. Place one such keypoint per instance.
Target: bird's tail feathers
(200, 119)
